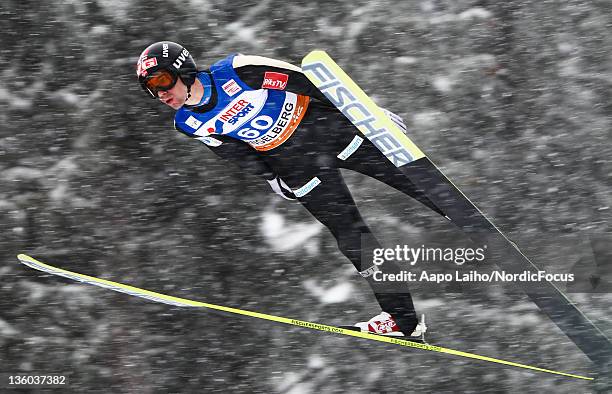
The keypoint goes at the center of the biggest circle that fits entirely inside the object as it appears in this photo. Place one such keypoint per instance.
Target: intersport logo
(236, 109)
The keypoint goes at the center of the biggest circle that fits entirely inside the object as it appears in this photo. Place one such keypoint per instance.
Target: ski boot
(384, 324)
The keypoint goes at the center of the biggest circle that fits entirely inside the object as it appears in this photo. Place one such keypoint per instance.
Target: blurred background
(512, 101)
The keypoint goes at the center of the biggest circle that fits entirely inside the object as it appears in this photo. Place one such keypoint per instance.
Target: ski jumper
(265, 116)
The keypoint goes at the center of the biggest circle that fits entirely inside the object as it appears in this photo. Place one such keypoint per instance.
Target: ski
(183, 302)
(419, 339)
(344, 93)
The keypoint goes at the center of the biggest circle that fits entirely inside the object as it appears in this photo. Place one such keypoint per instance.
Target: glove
(282, 189)
(395, 119)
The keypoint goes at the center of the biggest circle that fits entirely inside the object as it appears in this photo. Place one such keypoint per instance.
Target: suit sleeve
(237, 152)
(252, 71)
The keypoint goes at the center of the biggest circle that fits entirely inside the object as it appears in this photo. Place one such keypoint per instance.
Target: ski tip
(313, 55)
(316, 52)
(24, 257)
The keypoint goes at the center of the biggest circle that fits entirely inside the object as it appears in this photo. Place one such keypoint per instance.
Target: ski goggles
(159, 81)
